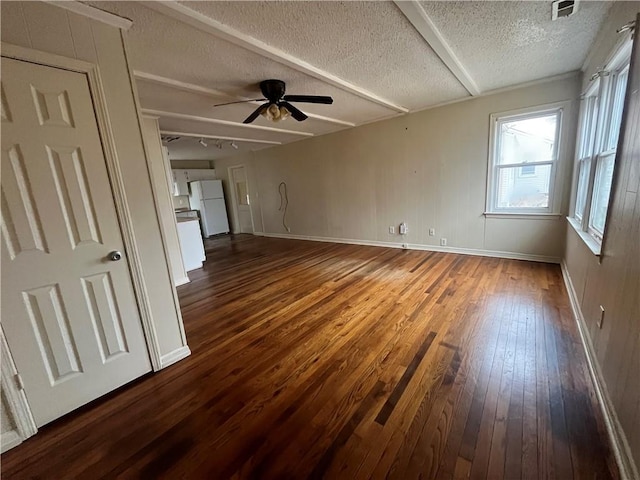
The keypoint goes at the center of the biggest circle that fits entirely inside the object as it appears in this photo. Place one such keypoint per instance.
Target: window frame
(603, 90)
(555, 182)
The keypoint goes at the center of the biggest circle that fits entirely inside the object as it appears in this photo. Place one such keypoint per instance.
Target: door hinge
(19, 382)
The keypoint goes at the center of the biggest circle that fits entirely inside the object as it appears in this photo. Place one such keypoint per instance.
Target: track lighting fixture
(219, 144)
(202, 142)
(234, 146)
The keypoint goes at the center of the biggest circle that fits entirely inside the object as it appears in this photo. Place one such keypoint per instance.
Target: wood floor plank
(319, 360)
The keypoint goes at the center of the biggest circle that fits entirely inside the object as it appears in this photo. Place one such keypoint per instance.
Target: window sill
(592, 243)
(530, 216)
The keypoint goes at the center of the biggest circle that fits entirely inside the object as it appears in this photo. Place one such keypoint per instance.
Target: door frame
(234, 197)
(94, 80)
(17, 403)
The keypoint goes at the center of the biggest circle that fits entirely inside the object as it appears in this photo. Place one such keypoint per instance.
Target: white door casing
(71, 310)
(240, 199)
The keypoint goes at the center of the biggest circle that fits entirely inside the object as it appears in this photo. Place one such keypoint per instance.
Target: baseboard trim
(175, 356)
(619, 443)
(182, 281)
(417, 246)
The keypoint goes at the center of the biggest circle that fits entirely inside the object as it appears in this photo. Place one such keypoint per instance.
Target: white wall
(620, 14)
(51, 29)
(164, 198)
(613, 282)
(428, 169)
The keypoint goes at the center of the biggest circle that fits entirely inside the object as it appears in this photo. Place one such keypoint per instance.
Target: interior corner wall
(615, 282)
(428, 169)
(51, 29)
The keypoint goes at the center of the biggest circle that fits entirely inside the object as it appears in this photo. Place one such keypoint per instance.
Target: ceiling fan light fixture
(284, 113)
(275, 113)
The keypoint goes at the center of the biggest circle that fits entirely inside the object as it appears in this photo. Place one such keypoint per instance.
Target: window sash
(582, 187)
(495, 167)
(600, 199)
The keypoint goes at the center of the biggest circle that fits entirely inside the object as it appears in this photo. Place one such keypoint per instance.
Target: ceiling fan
(278, 107)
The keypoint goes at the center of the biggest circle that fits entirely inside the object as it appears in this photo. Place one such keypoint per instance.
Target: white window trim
(617, 61)
(555, 184)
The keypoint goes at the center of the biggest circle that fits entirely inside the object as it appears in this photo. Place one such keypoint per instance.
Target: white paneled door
(68, 305)
(240, 188)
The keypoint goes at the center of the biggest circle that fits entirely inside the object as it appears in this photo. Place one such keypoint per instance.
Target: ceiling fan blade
(256, 113)
(308, 99)
(240, 101)
(295, 113)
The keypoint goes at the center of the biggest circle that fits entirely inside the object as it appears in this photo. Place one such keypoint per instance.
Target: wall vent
(563, 8)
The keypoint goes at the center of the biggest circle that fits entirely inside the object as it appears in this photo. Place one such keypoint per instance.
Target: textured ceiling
(370, 45)
(507, 43)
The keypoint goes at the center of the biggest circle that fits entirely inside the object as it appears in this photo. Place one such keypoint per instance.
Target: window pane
(583, 183)
(518, 191)
(617, 105)
(588, 127)
(526, 170)
(528, 140)
(601, 191)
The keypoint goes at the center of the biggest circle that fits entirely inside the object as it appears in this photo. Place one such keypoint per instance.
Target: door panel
(241, 200)
(68, 311)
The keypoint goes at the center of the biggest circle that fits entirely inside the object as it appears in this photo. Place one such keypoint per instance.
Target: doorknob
(115, 256)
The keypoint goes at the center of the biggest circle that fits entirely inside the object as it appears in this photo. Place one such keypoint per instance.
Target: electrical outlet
(432, 232)
(405, 245)
(404, 229)
(443, 242)
(392, 229)
(601, 319)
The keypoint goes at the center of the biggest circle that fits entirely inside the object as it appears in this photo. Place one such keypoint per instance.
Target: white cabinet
(182, 177)
(180, 182)
(196, 174)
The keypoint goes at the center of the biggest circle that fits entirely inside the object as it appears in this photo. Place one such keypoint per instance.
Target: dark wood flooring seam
(395, 396)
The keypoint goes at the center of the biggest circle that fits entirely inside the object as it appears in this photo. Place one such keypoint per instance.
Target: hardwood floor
(316, 360)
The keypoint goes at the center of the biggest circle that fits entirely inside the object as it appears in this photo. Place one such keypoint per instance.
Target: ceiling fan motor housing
(273, 90)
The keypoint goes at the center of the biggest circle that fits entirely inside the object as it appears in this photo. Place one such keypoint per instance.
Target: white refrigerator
(208, 197)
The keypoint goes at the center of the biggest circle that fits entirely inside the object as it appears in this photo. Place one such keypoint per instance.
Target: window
(524, 156)
(599, 129)
(527, 170)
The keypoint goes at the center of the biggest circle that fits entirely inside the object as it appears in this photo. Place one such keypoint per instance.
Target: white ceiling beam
(218, 137)
(192, 88)
(93, 13)
(428, 30)
(213, 27)
(195, 118)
